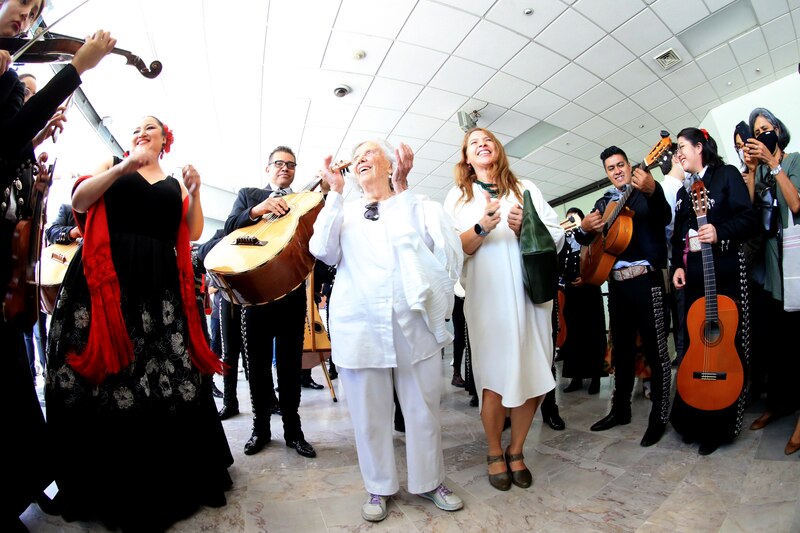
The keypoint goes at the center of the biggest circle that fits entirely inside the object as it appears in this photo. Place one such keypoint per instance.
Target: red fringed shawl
(109, 349)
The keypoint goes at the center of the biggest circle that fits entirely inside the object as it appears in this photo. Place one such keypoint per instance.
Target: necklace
(491, 188)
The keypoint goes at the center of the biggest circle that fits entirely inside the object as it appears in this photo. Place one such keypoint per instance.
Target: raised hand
(491, 214)
(95, 48)
(191, 179)
(405, 162)
(335, 180)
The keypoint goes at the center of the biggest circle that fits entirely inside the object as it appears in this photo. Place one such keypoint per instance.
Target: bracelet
(775, 171)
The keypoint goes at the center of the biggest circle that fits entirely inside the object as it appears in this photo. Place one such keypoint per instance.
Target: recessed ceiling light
(527, 11)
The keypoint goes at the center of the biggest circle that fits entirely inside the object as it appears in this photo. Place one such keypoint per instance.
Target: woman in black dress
(137, 441)
(584, 348)
(731, 221)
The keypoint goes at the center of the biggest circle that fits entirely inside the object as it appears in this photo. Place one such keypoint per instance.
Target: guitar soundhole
(317, 327)
(712, 332)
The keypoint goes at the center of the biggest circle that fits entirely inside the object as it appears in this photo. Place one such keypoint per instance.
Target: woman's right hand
(137, 160)
(491, 214)
(5, 61)
(333, 179)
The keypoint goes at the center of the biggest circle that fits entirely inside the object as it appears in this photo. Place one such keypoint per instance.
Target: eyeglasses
(279, 164)
(371, 212)
(29, 93)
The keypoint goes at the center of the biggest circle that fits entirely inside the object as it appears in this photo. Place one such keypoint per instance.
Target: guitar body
(711, 376)
(19, 306)
(53, 265)
(599, 256)
(277, 263)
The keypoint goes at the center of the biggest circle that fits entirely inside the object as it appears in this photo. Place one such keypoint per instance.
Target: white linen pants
(370, 400)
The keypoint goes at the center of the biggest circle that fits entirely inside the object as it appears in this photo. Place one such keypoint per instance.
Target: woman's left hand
(405, 162)
(755, 149)
(515, 219)
(707, 234)
(191, 179)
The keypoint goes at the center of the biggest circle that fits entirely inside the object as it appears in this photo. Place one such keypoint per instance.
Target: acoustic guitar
(53, 265)
(599, 256)
(710, 376)
(266, 261)
(316, 342)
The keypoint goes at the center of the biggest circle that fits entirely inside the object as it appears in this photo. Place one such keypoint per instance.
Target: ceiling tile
(623, 112)
(642, 32)
(679, 14)
(757, 70)
(381, 19)
(717, 61)
(606, 57)
(512, 123)
(445, 170)
(589, 151)
(714, 5)
(461, 76)
(436, 182)
(524, 168)
(569, 116)
(685, 78)
(700, 112)
(437, 103)
(666, 112)
(594, 127)
(392, 94)
(615, 137)
(565, 162)
(436, 26)
(749, 46)
(588, 169)
(779, 31)
(653, 95)
(413, 142)
(642, 124)
(571, 34)
(571, 81)
(600, 97)
(411, 63)
(449, 133)
(300, 50)
(567, 142)
(376, 119)
(486, 113)
(509, 14)
(684, 121)
(437, 151)
(729, 82)
(477, 7)
(490, 44)
(424, 165)
(632, 78)
(540, 103)
(543, 156)
(766, 11)
(504, 90)
(417, 126)
(331, 114)
(339, 54)
(698, 96)
(609, 14)
(637, 149)
(785, 56)
(535, 64)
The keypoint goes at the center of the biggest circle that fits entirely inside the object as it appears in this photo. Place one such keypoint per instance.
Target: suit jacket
(58, 232)
(247, 198)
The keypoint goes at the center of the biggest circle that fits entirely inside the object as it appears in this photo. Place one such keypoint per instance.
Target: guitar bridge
(61, 258)
(248, 240)
(710, 376)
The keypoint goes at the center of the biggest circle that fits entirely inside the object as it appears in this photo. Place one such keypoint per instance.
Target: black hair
(612, 150)
(709, 155)
(780, 129)
(576, 211)
(281, 149)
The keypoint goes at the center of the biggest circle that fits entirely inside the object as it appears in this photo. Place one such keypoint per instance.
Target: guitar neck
(620, 204)
(709, 277)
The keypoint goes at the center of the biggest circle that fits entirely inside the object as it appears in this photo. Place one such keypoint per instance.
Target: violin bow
(44, 30)
(67, 105)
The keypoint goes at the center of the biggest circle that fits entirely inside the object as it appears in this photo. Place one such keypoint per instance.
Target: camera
(341, 90)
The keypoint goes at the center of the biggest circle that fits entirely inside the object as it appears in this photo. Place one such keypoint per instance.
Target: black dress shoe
(256, 443)
(473, 401)
(302, 447)
(227, 411)
(594, 386)
(707, 448)
(613, 419)
(311, 384)
(215, 392)
(575, 384)
(333, 374)
(555, 422)
(653, 434)
(275, 409)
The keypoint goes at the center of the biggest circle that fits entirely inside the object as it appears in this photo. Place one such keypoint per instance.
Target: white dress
(510, 337)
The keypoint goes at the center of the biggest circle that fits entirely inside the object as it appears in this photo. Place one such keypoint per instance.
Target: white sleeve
(325, 244)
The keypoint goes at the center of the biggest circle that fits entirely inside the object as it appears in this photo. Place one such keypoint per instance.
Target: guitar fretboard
(709, 279)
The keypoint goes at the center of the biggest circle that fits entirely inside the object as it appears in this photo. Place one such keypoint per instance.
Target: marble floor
(583, 481)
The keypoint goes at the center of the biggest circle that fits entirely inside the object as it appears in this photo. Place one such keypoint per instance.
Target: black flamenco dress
(145, 447)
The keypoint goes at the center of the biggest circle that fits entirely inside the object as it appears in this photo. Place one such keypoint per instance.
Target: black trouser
(637, 307)
(281, 322)
(460, 332)
(230, 325)
(549, 406)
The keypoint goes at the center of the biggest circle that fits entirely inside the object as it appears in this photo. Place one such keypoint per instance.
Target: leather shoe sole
(653, 434)
(302, 447)
(610, 421)
(255, 444)
(227, 412)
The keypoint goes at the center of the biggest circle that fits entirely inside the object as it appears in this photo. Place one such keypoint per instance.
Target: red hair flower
(705, 133)
(169, 138)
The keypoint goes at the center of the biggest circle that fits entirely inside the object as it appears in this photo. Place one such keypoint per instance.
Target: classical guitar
(316, 343)
(599, 256)
(21, 303)
(52, 268)
(711, 375)
(261, 263)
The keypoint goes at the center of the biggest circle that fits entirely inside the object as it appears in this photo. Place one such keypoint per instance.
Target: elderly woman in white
(398, 258)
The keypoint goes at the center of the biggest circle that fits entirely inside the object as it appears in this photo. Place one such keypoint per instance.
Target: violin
(57, 48)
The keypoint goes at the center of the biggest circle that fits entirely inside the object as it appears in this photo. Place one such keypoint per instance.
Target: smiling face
(690, 155)
(148, 136)
(481, 149)
(371, 164)
(618, 170)
(16, 16)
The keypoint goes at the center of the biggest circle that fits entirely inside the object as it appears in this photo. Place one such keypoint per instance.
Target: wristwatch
(775, 171)
(480, 231)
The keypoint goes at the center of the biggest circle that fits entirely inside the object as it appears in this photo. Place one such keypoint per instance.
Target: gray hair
(388, 149)
(783, 133)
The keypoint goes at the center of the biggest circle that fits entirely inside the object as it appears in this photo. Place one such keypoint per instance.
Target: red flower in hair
(169, 138)
(705, 133)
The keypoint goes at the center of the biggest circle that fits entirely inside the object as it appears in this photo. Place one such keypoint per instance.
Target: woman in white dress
(510, 337)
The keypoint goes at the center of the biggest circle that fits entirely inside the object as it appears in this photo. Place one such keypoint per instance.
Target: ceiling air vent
(667, 59)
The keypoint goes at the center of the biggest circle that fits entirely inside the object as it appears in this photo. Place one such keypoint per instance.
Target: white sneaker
(374, 509)
(444, 498)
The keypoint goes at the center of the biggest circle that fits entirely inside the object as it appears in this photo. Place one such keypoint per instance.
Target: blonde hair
(465, 175)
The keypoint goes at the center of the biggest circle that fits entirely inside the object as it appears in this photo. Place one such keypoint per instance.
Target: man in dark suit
(278, 325)
(63, 230)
